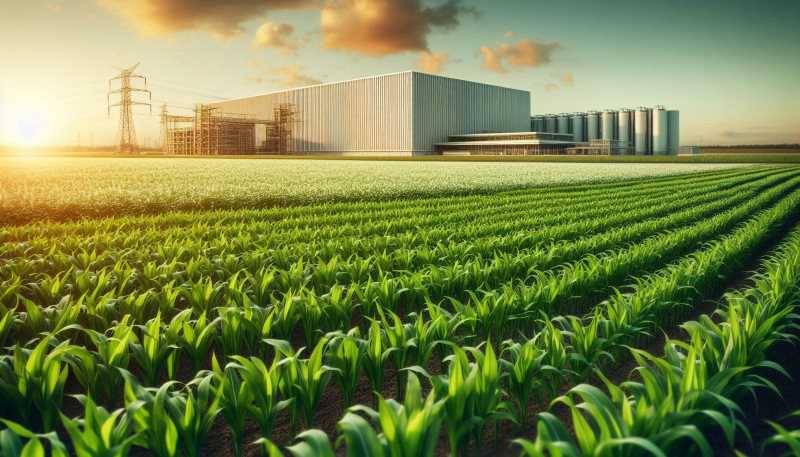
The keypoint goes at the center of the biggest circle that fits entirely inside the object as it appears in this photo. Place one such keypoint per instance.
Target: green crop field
(397, 309)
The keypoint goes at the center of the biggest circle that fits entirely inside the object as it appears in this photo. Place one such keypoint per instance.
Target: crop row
(77, 271)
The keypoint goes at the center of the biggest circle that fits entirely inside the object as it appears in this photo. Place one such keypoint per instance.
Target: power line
(127, 131)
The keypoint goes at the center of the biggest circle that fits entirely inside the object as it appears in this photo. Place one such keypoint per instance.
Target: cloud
(511, 34)
(551, 87)
(55, 7)
(292, 76)
(220, 18)
(523, 53)
(381, 27)
(278, 36)
(432, 62)
(567, 79)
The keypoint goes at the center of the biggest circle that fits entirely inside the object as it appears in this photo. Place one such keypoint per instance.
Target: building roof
(358, 79)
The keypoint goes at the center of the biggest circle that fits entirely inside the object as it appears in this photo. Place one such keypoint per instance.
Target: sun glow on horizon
(24, 125)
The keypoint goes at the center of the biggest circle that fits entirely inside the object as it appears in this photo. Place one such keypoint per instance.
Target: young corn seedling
(195, 411)
(261, 386)
(111, 353)
(789, 439)
(12, 444)
(408, 429)
(99, 433)
(195, 337)
(339, 305)
(487, 399)
(399, 337)
(375, 356)
(149, 409)
(234, 398)
(312, 378)
(310, 443)
(587, 341)
(346, 354)
(32, 382)
(528, 375)
(154, 351)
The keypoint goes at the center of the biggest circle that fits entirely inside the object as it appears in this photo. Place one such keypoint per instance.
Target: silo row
(642, 131)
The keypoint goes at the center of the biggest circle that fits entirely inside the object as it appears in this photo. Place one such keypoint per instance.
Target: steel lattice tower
(127, 131)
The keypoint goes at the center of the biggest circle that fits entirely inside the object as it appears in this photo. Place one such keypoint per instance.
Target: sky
(731, 67)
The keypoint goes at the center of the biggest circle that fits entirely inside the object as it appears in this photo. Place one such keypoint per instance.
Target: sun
(29, 129)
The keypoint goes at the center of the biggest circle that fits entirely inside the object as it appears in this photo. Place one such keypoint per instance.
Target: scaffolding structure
(210, 132)
(280, 130)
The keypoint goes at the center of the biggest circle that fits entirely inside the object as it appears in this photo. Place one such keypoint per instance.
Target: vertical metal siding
(362, 115)
(445, 106)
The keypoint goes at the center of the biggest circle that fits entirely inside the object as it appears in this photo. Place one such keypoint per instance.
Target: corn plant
(312, 378)
(149, 409)
(310, 443)
(194, 412)
(32, 382)
(528, 375)
(346, 355)
(375, 356)
(154, 351)
(195, 337)
(408, 429)
(234, 399)
(400, 338)
(259, 384)
(12, 444)
(99, 433)
(789, 439)
(111, 352)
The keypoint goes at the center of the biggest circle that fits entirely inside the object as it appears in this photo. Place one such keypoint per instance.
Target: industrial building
(410, 113)
(402, 113)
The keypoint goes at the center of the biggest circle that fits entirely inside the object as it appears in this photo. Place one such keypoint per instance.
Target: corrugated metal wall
(446, 106)
(398, 113)
(362, 115)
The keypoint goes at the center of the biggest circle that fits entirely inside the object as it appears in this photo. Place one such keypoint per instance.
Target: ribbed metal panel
(673, 129)
(446, 106)
(362, 115)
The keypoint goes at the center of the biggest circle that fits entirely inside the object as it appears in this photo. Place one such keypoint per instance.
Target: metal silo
(608, 122)
(592, 125)
(551, 124)
(641, 130)
(660, 132)
(563, 123)
(673, 129)
(578, 130)
(624, 128)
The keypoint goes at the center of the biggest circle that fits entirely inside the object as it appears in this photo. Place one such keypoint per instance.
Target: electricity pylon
(127, 131)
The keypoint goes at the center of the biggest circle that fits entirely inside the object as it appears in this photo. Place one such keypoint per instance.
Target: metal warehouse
(402, 113)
